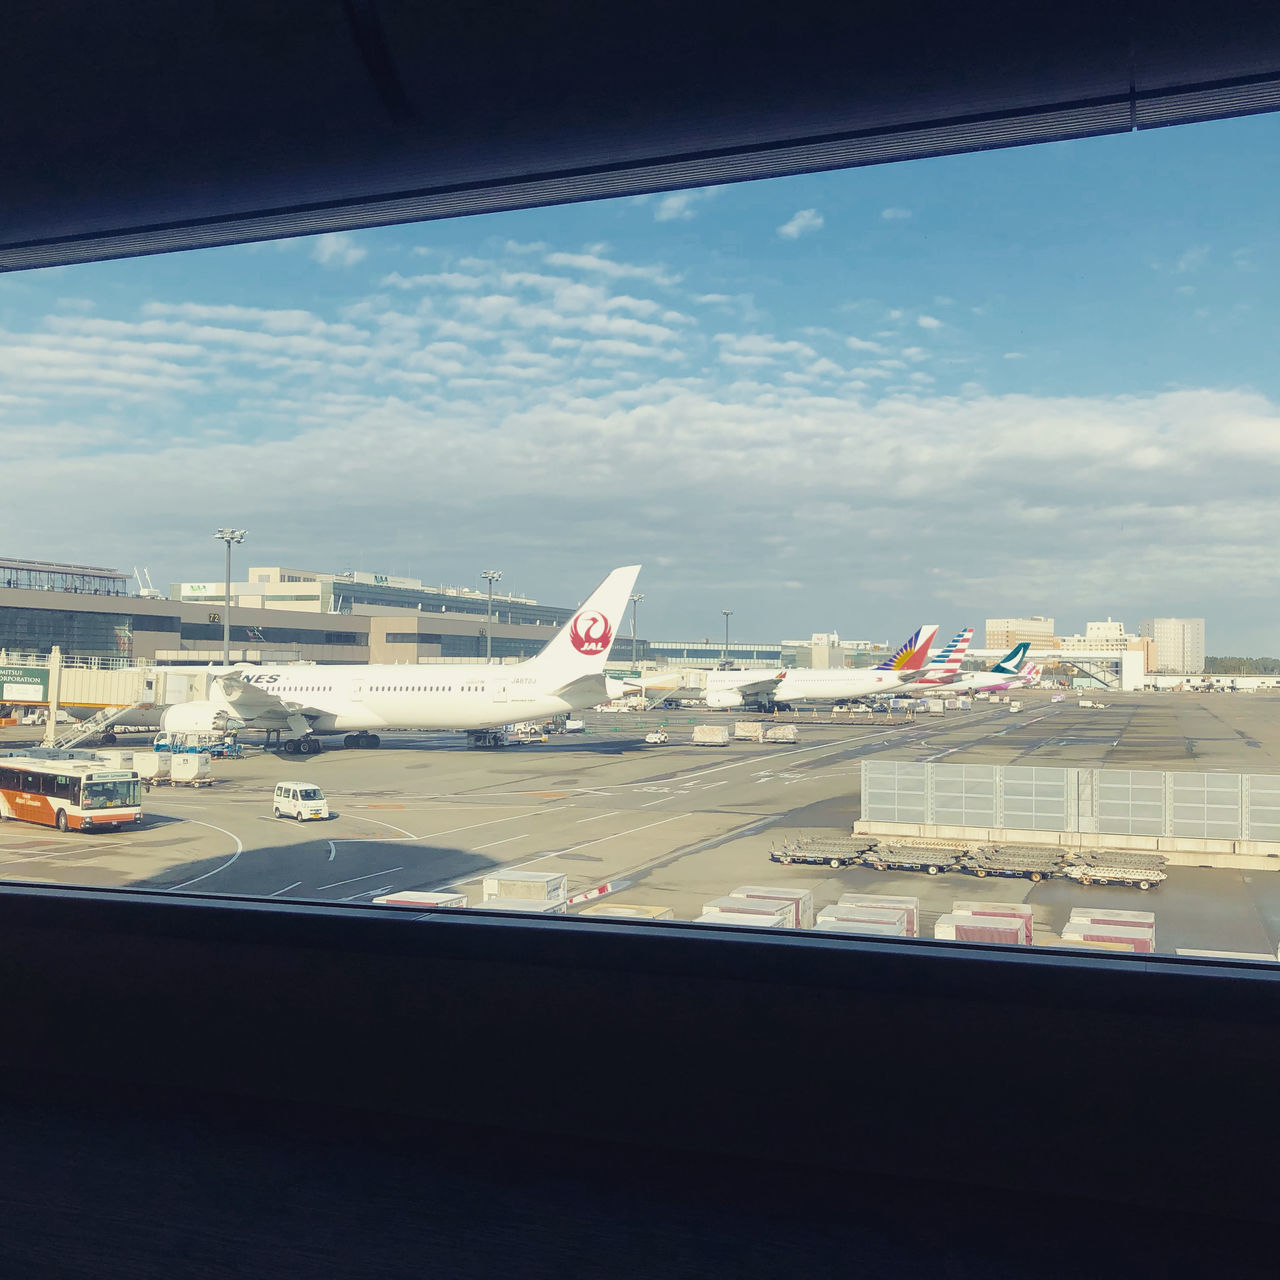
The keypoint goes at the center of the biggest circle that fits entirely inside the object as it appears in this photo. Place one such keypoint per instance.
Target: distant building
(1179, 644)
(1004, 633)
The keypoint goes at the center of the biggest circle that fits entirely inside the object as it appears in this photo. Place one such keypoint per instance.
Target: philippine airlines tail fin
(1009, 664)
(579, 649)
(911, 655)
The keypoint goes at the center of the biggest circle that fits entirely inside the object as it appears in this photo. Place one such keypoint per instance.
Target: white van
(301, 800)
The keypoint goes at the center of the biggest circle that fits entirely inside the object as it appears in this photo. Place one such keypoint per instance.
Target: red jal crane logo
(590, 632)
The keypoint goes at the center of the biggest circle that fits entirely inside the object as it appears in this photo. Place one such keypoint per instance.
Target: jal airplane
(297, 703)
(727, 689)
(1003, 675)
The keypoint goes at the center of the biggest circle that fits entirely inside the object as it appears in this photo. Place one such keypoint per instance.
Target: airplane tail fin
(911, 655)
(947, 660)
(1009, 664)
(581, 647)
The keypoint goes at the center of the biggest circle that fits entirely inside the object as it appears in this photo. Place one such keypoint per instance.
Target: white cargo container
(801, 900)
(748, 731)
(934, 706)
(1009, 910)
(782, 733)
(423, 901)
(1135, 937)
(887, 902)
(899, 704)
(966, 704)
(191, 768)
(710, 735)
(531, 905)
(893, 919)
(1015, 706)
(152, 766)
(951, 704)
(775, 908)
(1114, 914)
(117, 757)
(628, 911)
(874, 927)
(756, 921)
(531, 886)
(964, 928)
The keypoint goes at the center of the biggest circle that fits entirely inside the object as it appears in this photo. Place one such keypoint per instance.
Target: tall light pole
(490, 576)
(728, 613)
(635, 600)
(228, 536)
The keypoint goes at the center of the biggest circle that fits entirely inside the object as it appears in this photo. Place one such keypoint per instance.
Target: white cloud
(800, 223)
(337, 249)
(894, 215)
(680, 206)
(1192, 260)
(862, 344)
(1014, 355)
(595, 263)
(928, 322)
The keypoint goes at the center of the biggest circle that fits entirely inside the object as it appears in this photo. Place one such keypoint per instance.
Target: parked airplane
(941, 669)
(298, 702)
(727, 689)
(999, 677)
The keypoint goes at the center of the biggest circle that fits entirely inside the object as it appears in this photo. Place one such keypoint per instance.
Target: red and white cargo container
(1007, 930)
(1136, 937)
(782, 910)
(532, 905)
(413, 899)
(867, 928)
(801, 900)
(756, 919)
(888, 902)
(628, 911)
(895, 918)
(537, 886)
(1009, 910)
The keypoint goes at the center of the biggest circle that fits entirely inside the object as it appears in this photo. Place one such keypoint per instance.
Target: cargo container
(628, 911)
(741, 918)
(557, 908)
(801, 900)
(153, 766)
(951, 704)
(1009, 910)
(1115, 915)
(893, 919)
(1258, 956)
(190, 769)
(533, 886)
(1015, 706)
(934, 706)
(865, 927)
(899, 704)
(782, 733)
(1138, 937)
(887, 902)
(710, 735)
(423, 901)
(117, 757)
(964, 928)
(965, 703)
(748, 731)
(781, 910)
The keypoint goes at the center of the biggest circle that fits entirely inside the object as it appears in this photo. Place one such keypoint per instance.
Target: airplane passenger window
(950, 483)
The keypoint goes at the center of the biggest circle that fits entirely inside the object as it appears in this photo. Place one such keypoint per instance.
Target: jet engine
(722, 699)
(198, 717)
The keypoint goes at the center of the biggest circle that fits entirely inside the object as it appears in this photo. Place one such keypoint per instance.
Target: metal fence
(1214, 806)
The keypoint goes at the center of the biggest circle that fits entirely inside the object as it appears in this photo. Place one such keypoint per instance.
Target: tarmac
(667, 826)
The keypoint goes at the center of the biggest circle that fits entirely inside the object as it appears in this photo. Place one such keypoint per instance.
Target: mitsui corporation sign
(24, 684)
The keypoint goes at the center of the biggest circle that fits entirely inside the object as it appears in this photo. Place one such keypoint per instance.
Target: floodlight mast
(228, 536)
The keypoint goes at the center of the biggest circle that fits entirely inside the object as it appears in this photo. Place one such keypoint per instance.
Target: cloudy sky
(1034, 381)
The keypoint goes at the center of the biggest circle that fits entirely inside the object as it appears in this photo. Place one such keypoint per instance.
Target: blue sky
(1039, 380)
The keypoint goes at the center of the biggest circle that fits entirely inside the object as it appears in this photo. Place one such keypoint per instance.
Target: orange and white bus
(83, 795)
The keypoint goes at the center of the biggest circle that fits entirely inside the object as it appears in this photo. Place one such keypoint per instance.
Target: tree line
(1242, 666)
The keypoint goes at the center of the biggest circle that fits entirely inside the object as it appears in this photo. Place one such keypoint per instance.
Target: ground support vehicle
(892, 857)
(487, 739)
(657, 738)
(1024, 861)
(830, 851)
(1117, 857)
(1117, 872)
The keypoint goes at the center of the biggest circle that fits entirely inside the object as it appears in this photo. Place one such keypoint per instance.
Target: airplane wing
(764, 684)
(260, 708)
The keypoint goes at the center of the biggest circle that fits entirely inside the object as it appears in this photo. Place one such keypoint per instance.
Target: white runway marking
(230, 835)
(595, 817)
(386, 871)
(493, 844)
(286, 889)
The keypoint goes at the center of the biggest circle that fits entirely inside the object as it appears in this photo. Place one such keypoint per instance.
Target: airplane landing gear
(301, 746)
(362, 739)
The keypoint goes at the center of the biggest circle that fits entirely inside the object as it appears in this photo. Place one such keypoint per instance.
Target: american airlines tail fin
(911, 655)
(579, 649)
(1009, 664)
(947, 660)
